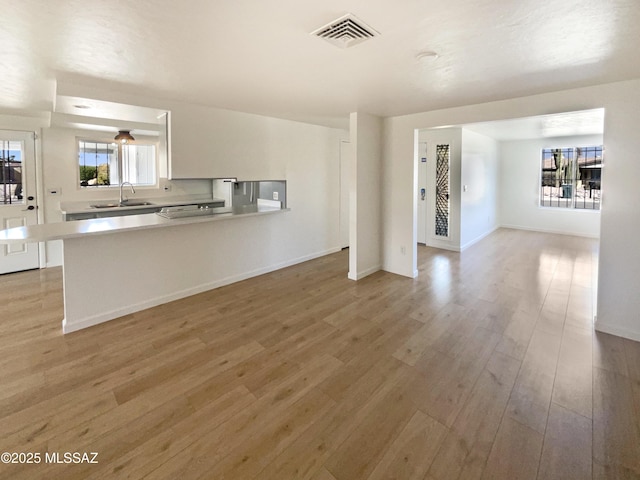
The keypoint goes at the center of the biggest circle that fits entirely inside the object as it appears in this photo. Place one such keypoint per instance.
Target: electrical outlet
(403, 250)
(275, 195)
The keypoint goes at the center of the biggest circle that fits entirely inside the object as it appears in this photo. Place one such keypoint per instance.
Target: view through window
(571, 177)
(100, 164)
(11, 171)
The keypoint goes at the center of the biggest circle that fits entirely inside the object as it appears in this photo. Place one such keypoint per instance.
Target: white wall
(26, 124)
(618, 309)
(619, 270)
(143, 268)
(214, 143)
(365, 250)
(480, 175)
(346, 158)
(422, 185)
(221, 143)
(520, 189)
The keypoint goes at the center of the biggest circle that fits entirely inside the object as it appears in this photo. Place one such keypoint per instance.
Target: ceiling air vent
(346, 31)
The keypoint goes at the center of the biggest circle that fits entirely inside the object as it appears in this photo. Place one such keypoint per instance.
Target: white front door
(18, 206)
(442, 201)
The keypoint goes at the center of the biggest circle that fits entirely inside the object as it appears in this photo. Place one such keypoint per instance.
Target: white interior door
(18, 206)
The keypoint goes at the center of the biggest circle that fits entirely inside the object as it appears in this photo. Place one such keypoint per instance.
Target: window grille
(571, 177)
(442, 190)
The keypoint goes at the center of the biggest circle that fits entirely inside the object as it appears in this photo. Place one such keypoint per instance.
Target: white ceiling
(90, 114)
(258, 56)
(586, 122)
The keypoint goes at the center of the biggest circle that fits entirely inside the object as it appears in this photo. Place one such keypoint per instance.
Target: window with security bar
(11, 153)
(571, 177)
(105, 163)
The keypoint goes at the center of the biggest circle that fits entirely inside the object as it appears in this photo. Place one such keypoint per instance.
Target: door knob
(30, 207)
(30, 197)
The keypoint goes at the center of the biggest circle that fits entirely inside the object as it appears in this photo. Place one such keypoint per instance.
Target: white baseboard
(544, 230)
(443, 246)
(617, 331)
(477, 239)
(102, 317)
(408, 274)
(364, 273)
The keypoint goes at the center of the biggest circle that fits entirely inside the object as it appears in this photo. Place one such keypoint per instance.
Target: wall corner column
(365, 228)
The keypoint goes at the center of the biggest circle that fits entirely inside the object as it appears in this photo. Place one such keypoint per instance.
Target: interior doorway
(499, 177)
(438, 166)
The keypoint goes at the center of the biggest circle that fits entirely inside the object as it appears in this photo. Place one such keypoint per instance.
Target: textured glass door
(442, 190)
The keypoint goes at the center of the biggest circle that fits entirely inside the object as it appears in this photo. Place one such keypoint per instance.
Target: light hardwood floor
(485, 366)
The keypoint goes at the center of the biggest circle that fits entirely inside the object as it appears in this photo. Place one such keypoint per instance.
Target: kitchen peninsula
(115, 266)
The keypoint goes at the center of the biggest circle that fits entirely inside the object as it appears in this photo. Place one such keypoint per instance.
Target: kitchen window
(105, 163)
(571, 177)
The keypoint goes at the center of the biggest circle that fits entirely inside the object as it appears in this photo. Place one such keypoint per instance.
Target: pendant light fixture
(124, 136)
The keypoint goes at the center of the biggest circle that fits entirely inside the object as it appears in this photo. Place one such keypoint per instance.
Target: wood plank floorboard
(486, 366)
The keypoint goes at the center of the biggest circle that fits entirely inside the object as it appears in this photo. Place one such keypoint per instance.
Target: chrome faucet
(124, 200)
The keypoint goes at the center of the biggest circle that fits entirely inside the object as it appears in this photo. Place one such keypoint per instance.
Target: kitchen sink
(134, 204)
(124, 204)
(105, 205)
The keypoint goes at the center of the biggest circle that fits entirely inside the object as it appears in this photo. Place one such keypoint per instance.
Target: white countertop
(101, 226)
(84, 207)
